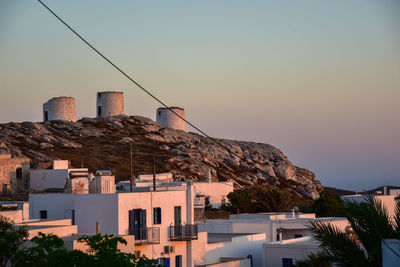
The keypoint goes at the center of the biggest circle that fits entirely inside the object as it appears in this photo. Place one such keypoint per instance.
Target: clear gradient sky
(318, 79)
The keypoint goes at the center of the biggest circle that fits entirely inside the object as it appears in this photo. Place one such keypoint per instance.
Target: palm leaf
(338, 247)
(371, 223)
(397, 219)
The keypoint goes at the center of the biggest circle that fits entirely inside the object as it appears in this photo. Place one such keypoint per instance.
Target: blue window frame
(286, 261)
(163, 261)
(178, 261)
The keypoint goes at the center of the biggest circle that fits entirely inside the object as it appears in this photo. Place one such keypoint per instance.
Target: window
(178, 261)
(163, 261)
(298, 236)
(157, 215)
(286, 261)
(19, 173)
(177, 215)
(99, 95)
(73, 217)
(278, 237)
(137, 223)
(46, 116)
(223, 201)
(159, 112)
(43, 214)
(99, 111)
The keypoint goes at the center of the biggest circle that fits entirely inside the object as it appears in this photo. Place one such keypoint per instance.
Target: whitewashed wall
(58, 206)
(60, 108)
(42, 179)
(217, 191)
(239, 247)
(274, 253)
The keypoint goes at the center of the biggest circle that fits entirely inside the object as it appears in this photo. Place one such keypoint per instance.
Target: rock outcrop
(104, 143)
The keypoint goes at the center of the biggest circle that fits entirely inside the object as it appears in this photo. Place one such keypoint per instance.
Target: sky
(318, 79)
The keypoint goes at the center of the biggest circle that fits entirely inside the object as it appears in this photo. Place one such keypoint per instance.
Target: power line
(148, 92)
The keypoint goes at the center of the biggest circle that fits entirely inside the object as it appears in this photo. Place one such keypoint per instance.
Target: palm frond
(338, 247)
(397, 219)
(371, 223)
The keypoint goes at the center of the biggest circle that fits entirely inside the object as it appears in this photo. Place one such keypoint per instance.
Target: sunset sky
(318, 79)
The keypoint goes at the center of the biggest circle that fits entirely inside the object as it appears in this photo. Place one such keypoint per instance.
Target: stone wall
(14, 173)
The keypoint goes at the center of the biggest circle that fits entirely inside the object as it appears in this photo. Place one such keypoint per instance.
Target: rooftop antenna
(131, 167)
(154, 175)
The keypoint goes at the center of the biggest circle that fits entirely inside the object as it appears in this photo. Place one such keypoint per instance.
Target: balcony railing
(183, 232)
(146, 235)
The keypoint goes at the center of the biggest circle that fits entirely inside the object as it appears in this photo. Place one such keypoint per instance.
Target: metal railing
(183, 232)
(146, 235)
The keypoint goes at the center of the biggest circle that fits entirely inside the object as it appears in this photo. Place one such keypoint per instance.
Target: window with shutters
(157, 215)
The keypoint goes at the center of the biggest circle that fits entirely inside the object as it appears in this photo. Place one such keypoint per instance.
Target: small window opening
(19, 173)
(157, 215)
(43, 214)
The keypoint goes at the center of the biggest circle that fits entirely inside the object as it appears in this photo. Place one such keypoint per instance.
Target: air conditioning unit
(169, 249)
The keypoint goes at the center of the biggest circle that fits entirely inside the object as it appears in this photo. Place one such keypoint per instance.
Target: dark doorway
(43, 214)
(177, 215)
(137, 223)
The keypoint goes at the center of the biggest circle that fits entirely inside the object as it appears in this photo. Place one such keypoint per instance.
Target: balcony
(146, 235)
(183, 232)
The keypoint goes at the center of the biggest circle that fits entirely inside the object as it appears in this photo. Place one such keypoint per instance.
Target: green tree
(105, 252)
(328, 205)
(240, 201)
(362, 244)
(11, 238)
(313, 260)
(272, 200)
(48, 250)
(102, 251)
(259, 199)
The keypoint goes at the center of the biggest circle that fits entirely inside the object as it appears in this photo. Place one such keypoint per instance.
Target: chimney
(98, 227)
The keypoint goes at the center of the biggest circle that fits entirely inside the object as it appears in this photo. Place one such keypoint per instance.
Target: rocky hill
(104, 143)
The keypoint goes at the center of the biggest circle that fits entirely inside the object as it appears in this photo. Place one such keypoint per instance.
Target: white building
(277, 226)
(284, 252)
(109, 103)
(16, 211)
(167, 118)
(215, 192)
(55, 178)
(243, 251)
(387, 200)
(102, 183)
(162, 221)
(59, 108)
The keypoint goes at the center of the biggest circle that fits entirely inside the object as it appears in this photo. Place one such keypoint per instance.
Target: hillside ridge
(104, 143)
